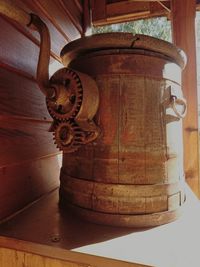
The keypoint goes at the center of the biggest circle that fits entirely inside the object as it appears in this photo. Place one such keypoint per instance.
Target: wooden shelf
(43, 226)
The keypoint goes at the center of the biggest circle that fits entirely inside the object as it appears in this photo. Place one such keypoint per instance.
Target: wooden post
(86, 18)
(183, 25)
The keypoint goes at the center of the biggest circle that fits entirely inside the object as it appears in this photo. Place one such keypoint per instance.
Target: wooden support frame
(183, 25)
(108, 12)
(86, 18)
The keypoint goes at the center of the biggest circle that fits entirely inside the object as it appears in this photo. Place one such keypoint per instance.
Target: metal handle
(174, 101)
(9, 9)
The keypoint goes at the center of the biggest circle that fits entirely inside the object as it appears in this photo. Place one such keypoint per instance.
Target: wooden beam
(98, 9)
(149, 0)
(69, 14)
(86, 17)
(126, 7)
(116, 12)
(156, 7)
(164, 6)
(198, 7)
(183, 22)
(79, 5)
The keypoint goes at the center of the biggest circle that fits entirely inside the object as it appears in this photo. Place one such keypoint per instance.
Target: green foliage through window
(156, 27)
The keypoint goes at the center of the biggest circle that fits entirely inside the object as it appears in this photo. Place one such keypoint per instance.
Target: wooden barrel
(133, 174)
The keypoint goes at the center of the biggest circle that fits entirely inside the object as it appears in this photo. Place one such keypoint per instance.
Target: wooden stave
(120, 198)
(123, 220)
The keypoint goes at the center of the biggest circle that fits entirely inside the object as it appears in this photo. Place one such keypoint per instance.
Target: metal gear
(68, 136)
(67, 101)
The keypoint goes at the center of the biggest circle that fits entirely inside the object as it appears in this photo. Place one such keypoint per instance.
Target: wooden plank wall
(29, 159)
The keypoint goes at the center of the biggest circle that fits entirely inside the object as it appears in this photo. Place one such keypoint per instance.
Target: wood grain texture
(120, 198)
(28, 161)
(23, 140)
(10, 258)
(23, 54)
(20, 253)
(108, 12)
(137, 145)
(122, 8)
(72, 23)
(98, 10)
(58, 18)
(183, 20)
(87, 21)
(74, 14)
(79, 5)
(21, 96)
(173, 244)
(24, 182)
(57, 39)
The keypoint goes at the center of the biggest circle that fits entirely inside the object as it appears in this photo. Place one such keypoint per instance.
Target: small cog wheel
(68, 95)
(68, 136)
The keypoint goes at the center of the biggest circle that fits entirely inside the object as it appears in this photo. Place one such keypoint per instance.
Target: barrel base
(123, 220)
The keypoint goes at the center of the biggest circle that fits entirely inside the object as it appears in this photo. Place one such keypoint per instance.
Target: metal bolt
(55, 238)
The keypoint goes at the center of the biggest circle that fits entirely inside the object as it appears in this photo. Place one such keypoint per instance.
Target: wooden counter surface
(42, 229)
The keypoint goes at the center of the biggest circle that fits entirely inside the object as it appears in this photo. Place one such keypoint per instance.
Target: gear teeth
(67, 73)
(63, 119)
(79, 135)
(73, 141)
(74, 75)
(78, 144)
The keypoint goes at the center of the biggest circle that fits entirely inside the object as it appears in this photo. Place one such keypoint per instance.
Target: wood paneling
(74, 14)
(127, 7)
(28, 161)
(57, 38)
(24, 182)
(24, 140)
(17, 258)
(20, 253)
(183, 21)
(107, 12)
(17, 50)
(98, 10)
(14, 87)
(56, 14)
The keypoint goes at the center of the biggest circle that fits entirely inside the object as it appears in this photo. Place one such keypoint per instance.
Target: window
(156, 27)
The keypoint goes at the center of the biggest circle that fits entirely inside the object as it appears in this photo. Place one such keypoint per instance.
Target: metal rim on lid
(121, 40)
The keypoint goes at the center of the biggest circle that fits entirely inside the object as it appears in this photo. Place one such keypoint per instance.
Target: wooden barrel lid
(120, 40)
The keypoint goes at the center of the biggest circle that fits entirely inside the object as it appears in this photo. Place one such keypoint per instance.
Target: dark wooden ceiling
(114, 11)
